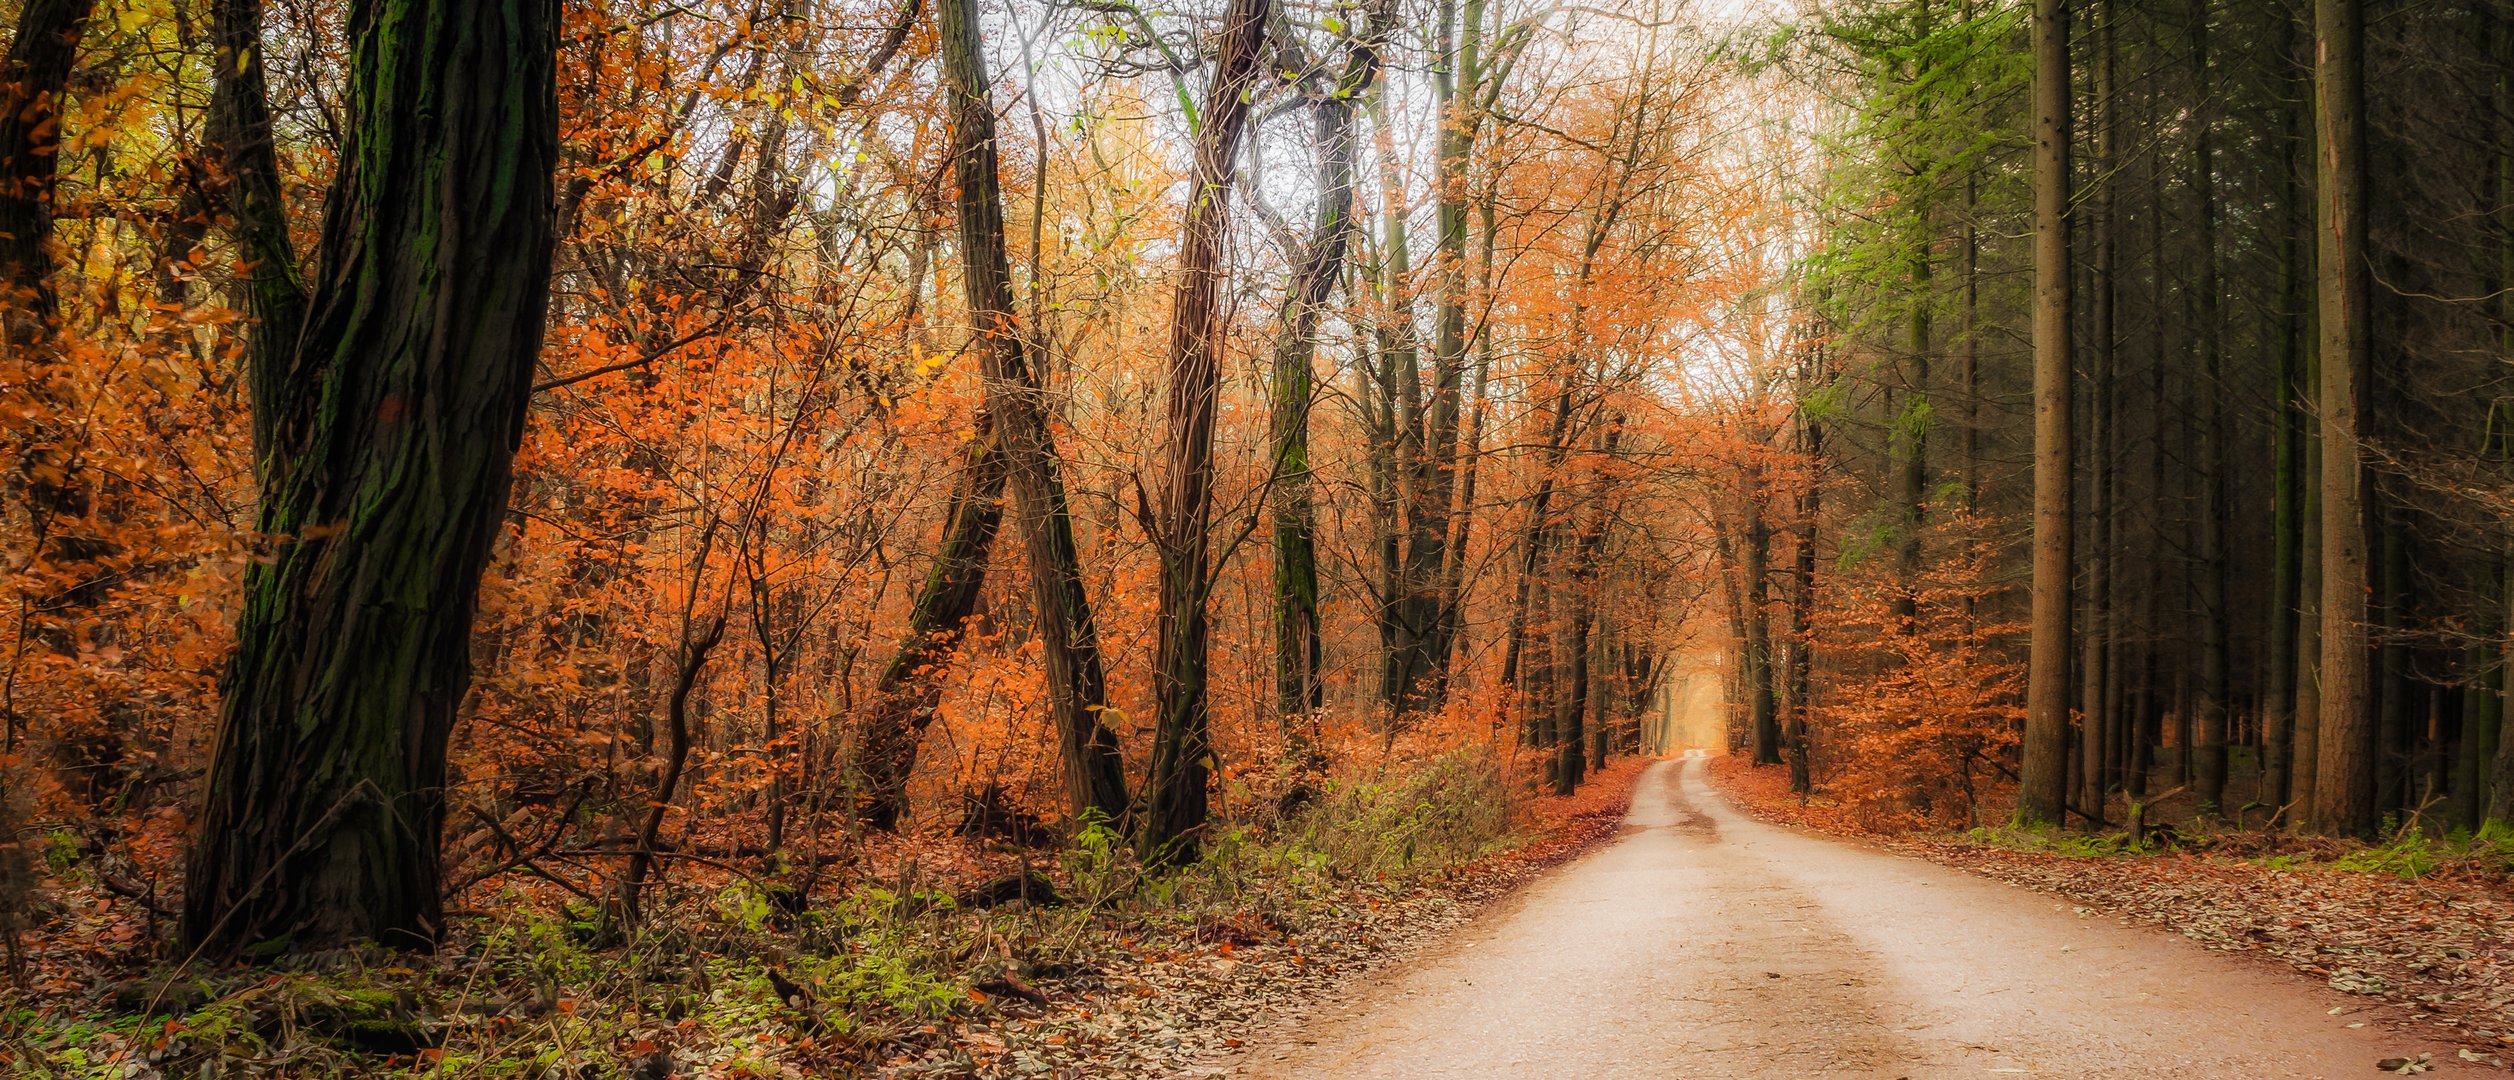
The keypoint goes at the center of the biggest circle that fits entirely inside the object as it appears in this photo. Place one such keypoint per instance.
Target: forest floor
(1705, 942)
(2419, 931)
(897, 973)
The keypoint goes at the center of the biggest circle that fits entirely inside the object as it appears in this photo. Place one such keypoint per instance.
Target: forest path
(1703, 943)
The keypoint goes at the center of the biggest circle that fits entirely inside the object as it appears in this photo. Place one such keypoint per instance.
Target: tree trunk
(391, 454)
(2045, 776)
(1182, 751)
(2287, 526)
(2344, 776)
(2096, 741)
(903, 698)
(1300, 688)
(1802, 598)
(1762, 718)
(275, 294)
(1571, 764)
(36, 72)
(2209, 742)
(1095, 776)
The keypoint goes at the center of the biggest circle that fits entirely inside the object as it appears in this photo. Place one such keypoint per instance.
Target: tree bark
(2209, 743)
(903, 698)
(2344, 776)
(1095, 776)
(1182, 742)
(2040, 795)
(1300, 688)
(275, 292)
(392, 450)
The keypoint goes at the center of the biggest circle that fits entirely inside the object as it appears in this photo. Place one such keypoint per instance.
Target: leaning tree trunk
(275, 294)
(903, 699)
(2344, 796)
(2046, 772)
(1095, 776)
(1182, 752)
(392, 449)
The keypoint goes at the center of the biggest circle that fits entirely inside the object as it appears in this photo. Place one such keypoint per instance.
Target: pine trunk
(2040, 795)
(2344, 783)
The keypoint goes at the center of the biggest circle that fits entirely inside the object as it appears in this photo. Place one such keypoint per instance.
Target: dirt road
(1702, 943)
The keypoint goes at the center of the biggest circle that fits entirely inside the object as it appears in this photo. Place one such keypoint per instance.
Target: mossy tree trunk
(392, 444)
(903, 699)
(1299, 667)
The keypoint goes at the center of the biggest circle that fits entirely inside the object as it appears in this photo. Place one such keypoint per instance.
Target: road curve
(1702, 943)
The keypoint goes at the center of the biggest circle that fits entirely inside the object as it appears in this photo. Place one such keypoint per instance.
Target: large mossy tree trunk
(391, 452)
(1077, 684)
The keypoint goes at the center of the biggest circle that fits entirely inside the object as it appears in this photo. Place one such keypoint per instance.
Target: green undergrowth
(2411, 852)
(726, 979)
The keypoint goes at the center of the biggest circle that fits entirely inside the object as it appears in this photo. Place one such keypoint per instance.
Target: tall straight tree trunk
(2287, 524)
(387, 482)
(2040, 795)
(2095, 743)
(1401, 664)
(2344, 780)
(1802, 598)
(1763, 719)
(1182, 752)
(1095, 776)
(2499, 815)
(2209, 743)
(1417, 673)
(1571, 763)
(1300, 688)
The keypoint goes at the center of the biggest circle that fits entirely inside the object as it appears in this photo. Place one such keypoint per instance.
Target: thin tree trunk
(387, 481)
(240, 126)
(2096, 740)
(1177, 802)
(1300, 687)
(2288, 415)
(1803, 586)
(2209, 743)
